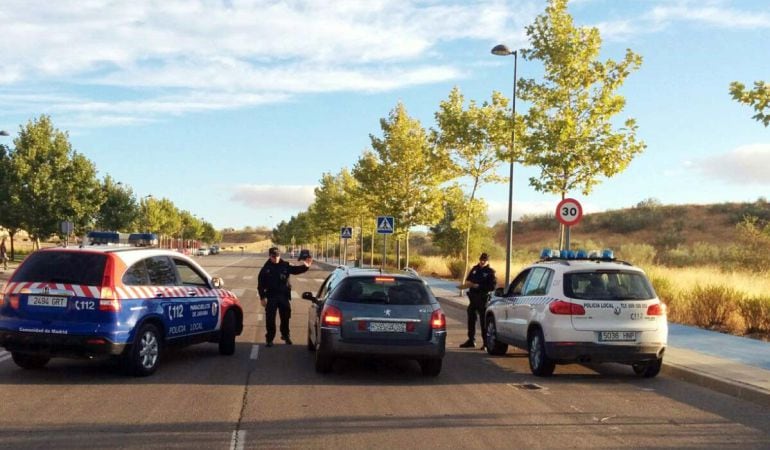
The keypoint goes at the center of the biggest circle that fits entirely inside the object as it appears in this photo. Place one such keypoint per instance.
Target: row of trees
(43, 182)
(432, 177)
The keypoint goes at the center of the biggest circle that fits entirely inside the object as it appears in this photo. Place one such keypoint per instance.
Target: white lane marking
(248, 277)
(238, 261)
(238, 441)
(320, 280)
(259, 317)
(254, 352)
(229, 277)
(239, 292)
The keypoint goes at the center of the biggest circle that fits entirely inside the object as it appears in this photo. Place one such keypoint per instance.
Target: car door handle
(192, 293)
(159, 294)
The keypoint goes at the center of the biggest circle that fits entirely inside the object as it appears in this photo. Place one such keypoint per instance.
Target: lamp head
(4, 133)
(502, 50)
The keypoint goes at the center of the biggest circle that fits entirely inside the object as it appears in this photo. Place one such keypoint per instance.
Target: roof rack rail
(411, 272)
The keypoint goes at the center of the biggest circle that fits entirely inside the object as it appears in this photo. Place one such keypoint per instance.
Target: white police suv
(579, 308)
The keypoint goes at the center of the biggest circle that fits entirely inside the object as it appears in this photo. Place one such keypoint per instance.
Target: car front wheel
(539, 363)
(227, 334)
(494, 347)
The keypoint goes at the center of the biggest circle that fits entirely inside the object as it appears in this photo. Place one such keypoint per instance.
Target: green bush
(712, 306)
(416, 262)
(678, 309)
(456, 268)
(756, 314)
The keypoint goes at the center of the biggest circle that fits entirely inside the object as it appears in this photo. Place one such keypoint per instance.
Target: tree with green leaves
(569, 132)
(54, 182)
(10, 210)
(405, 173)
(159, 216)
(453, 235)
(758, 98)
(473, 138)
(120, 209)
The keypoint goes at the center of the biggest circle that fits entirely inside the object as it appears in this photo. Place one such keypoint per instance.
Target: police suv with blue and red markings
(126, 302)
(579, 307)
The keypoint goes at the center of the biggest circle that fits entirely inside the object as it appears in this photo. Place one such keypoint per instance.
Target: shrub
(713, 306)
(456, 268)
(755, 312)
(416, 262)
(678, 308)
(639, 254)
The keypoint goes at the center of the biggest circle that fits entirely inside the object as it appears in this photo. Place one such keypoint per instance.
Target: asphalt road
(272, 398)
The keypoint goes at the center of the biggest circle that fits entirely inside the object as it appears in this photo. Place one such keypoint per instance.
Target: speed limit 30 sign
(569, 212)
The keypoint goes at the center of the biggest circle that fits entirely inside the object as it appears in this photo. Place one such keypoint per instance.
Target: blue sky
(234, 109)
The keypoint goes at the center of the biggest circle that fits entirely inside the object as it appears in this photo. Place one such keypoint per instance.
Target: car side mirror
(309, 296)
(500, 292)
(218, 282)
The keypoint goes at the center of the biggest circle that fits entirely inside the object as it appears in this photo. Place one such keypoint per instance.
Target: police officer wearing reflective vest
(275, 292)
(481, 280)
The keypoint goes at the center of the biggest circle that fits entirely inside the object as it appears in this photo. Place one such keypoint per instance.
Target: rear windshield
(62, 267)
(381, 290)
(608, 285)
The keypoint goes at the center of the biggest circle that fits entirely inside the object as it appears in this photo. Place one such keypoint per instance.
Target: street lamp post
(502, 50)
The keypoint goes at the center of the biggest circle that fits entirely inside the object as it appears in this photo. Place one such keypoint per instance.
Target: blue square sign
(385, 224)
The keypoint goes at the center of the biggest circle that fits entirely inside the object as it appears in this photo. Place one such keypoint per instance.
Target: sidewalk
(728, 364)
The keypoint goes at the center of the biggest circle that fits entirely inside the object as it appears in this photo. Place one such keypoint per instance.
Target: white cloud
(274, 196)
(233, 54)
(744, 165)
(710, 14)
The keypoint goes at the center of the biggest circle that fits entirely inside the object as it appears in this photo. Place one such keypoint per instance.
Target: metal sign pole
(384, 251)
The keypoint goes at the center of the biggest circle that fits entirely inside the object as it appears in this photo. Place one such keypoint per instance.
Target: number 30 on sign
(569, 212)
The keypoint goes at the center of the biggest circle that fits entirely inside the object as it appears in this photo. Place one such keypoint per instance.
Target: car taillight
(560, 307)
(108, 301)
(438, 320)
(658, 309)
(331, 316)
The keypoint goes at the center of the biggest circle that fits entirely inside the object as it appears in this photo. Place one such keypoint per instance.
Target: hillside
(668, 229)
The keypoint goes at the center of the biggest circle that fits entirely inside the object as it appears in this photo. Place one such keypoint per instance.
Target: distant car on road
(303, 254)
(124, 302)
(582, 309)
(203, 251)
(364, 313)
(214, 250)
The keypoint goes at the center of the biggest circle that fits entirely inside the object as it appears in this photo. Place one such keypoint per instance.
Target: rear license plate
(40, 300)
(614, 336)
(387, 327)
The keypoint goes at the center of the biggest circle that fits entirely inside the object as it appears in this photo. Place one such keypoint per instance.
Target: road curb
(733, 388)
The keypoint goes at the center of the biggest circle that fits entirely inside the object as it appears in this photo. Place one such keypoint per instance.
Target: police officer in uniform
(481, 280)
(275, 291)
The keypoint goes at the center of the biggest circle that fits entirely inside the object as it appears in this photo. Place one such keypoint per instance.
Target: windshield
(381, 289)
(608, 285)
(62, 267)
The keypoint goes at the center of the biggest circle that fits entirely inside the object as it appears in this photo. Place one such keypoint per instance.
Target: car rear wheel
(323, 361)
(431, 367)
(227, 334)
(310, 345)
(648, 369)
(142, 358)
(494, 347)
(29, 362)
(539, 363)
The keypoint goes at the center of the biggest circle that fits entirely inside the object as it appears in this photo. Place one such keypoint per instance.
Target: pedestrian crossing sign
(346, 232)
(385, 224)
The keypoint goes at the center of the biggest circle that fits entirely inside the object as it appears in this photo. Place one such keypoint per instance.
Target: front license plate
(615, 336)
(387, 327)
(41, 300)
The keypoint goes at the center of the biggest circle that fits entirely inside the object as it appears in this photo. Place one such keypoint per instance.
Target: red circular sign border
(577, 219)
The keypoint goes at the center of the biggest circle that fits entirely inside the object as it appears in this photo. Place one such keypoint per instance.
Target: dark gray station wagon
(362, 312)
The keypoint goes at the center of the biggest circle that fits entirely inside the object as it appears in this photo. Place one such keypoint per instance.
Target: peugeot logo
(616, 310)
(387, 312)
